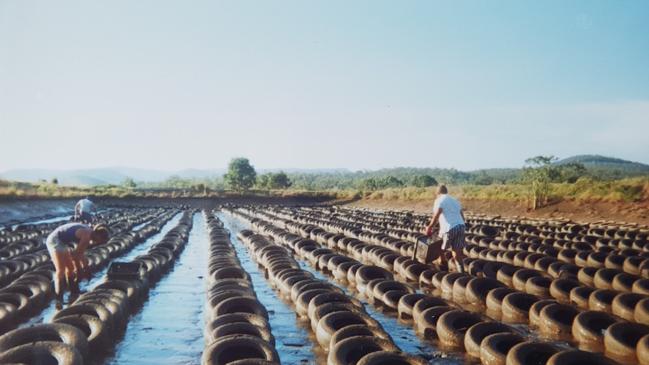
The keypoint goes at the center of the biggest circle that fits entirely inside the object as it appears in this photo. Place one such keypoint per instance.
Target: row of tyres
(33, 290)
(91, 324)
(583, 253)
(341, 326)
(237, 330)
(436, 317)
(494, 231)
(512, 228)
(598, 289)
(35, 252)
(616, 272)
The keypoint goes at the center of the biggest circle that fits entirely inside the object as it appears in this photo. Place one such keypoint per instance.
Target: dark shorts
(454, 238)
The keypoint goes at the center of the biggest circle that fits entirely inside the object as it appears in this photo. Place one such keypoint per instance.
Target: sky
(321, 84)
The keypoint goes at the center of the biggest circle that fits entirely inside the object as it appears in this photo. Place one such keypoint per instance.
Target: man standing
(447, 211)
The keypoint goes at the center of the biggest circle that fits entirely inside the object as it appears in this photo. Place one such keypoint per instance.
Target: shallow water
(169, 327)
(291, 338)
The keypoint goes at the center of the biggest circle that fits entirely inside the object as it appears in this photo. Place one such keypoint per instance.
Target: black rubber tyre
(426, 323)
(516, 307)
(580, 295)
(452, 325)
(332, 322)
(238, 347)
(390, 358)
(51, 332)
(478, 289)
(560, 289)
(240, 305)
(476, 333)
(530, 353)
(556, 321)
(357, 330)
(624, 305)
(495, 347)
(535, 311)
(242, 328)
(351, 350)
(642, 350)
(621, 339)
(428, 302)
(44, 352)
(589, 327)
(577, 357)
(602, 300)
(406, 305)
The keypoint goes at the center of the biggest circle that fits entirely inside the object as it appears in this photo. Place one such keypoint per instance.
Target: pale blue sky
(314, 84)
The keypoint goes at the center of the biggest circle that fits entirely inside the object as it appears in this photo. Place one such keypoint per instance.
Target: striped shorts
(454, 238)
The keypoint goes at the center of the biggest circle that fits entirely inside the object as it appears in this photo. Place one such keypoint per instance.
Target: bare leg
(70, 269)
(60, 265)
(458, 255)
(82, 267)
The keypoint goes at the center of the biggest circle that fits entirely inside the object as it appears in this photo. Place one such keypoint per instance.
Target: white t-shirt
(85, 205)
(450, 216)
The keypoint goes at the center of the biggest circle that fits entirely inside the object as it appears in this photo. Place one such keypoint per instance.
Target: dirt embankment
(637, 212)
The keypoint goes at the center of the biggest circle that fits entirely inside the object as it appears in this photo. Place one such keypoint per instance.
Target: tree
(241, 175)
(369, 184)
(424, 181)
(279, 181)
(538, 173)
(483, 179)
(274, 181)
(129, 183)
(55, 181)
(263, 181)
(390, 182)
(572, 171)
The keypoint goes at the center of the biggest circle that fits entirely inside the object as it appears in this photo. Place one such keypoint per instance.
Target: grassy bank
(584, 190)
(23, 191)
(624, 191)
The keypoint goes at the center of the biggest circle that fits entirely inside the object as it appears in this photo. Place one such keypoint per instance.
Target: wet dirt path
(169, 327)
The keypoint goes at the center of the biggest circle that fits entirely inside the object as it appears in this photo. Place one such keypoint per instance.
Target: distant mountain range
(597, 162)
(117, 175)
(102, 176)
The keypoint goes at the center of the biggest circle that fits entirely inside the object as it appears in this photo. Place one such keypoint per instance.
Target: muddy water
(47, 314)
(291, 338)
(169, 327)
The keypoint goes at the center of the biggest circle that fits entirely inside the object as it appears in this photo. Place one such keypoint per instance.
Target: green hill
(609, 166)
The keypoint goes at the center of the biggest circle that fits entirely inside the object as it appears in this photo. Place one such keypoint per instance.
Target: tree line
(538, 173)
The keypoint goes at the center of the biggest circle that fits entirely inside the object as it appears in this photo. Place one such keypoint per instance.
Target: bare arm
(435, 218)
(84, 241)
